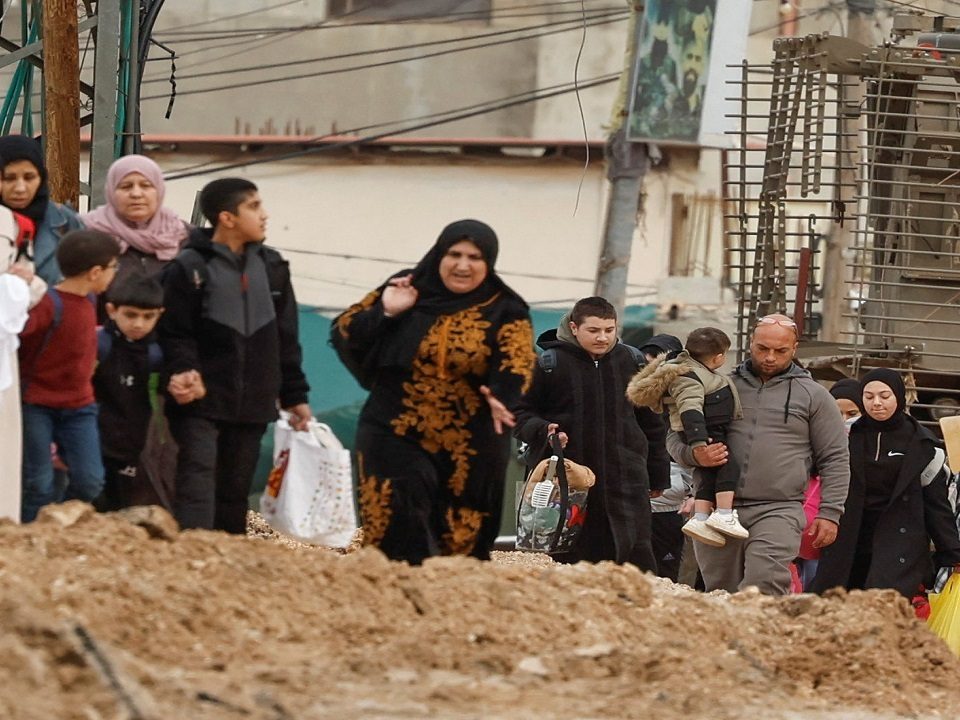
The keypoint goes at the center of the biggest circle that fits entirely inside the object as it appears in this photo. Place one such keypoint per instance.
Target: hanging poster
(677, 88)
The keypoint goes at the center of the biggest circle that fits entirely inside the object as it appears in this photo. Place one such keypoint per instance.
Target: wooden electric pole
(61, 95)
(626, 167)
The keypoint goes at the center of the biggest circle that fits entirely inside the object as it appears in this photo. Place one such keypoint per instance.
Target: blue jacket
(57, 222)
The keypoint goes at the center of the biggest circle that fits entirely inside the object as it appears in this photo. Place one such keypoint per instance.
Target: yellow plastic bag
(944, 618)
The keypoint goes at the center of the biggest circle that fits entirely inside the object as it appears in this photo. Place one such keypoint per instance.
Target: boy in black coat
(231, 355)
(583, 399)
(127, 354)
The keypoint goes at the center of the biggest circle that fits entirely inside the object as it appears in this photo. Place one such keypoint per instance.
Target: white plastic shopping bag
(310, 491)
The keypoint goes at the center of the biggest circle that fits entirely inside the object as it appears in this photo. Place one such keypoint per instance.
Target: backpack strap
(638, 357)
(105, 345)
(548, 358)
(57, 318)
(194, 266)
(154, 357)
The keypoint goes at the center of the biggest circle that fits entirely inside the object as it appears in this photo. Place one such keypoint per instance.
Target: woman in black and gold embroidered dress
(446, 350)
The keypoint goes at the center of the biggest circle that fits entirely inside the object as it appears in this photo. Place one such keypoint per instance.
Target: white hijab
(14, 299)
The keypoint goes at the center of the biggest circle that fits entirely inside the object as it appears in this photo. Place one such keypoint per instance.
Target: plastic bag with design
(309, 493)
(553, 504)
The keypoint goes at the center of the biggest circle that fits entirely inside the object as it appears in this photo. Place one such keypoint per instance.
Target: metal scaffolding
(784, 190)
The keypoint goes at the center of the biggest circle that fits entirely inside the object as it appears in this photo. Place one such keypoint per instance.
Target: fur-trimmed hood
(653, 380)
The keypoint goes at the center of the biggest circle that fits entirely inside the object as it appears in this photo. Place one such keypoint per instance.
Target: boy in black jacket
(127, 354)
(582, 398)
(231, 355)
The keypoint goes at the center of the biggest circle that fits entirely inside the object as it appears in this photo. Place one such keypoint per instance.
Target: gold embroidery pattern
(374, 501)
(464, 524)
(515, 340)
(439, 400)
(343, 322)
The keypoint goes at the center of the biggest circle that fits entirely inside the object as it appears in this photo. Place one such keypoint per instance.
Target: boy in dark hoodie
(580, 396)
(127, 355)
(231, 354)
(701, 403)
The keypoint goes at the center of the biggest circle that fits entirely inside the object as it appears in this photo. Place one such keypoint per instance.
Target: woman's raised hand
(398, 296)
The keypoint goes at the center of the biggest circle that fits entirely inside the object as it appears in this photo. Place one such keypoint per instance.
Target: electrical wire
(213, 21)
(280, 34)
(385, 63)
(373, 126)
(395, 48)
(248, 47)
(445, 117)
(336, 22)
(609, 18)
(534, 96)
(410, 263)
(583, 120)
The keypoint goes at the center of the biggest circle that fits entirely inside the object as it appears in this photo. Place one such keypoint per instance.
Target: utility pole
(61, 95)
(106, 70)
(861, 24)
(626, 167)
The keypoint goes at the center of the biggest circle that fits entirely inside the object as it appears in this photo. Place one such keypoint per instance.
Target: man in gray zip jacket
(791, 428)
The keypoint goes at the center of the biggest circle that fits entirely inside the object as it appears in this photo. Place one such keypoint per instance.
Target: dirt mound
(106, 616)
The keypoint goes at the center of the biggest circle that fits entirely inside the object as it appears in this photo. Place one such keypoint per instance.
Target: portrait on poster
(669, 81)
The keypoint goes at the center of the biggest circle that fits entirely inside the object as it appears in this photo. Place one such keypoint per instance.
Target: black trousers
(710, 481)
(121, 480)
(215, 469)
(667, 538)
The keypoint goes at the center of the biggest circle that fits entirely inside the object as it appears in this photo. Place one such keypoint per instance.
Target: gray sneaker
(701, 532)
(728, 525)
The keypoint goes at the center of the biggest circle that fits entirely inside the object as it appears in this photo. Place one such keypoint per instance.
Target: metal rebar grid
(905, 260)
(783, 187)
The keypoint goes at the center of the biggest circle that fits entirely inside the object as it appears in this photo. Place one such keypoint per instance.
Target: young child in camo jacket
(701, 403)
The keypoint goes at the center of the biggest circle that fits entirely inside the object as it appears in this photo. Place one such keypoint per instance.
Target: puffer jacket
(790, 426)
(696, 397)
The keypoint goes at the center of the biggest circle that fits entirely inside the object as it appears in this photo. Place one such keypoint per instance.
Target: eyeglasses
(787, 323)
(776, 321)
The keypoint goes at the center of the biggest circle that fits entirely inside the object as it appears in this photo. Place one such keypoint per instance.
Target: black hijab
(434, 297)
(848, 389)
(21, 147)
(662, 344)
(400, 345)
(892, 380)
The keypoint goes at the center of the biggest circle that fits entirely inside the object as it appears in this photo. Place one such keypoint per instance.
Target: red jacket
(58, 372)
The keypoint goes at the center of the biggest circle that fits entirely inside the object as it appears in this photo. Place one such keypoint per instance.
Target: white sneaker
(728, 525)
(701, 532)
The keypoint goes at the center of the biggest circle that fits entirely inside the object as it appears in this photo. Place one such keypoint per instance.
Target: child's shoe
(728, 525)
(701, 532)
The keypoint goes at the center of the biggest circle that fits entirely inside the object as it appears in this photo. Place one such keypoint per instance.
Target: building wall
(347, 223)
